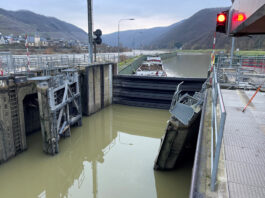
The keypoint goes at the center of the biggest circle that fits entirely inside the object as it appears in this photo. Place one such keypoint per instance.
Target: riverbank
(239, 53)
(127, 62)
(250, 53)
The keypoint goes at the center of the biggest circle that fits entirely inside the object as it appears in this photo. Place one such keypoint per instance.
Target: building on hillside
(44, 42)
(73, 43)
(31, 41)
(16, 40)
(2, 39)
(21, 39)
(10, 39)
(37, 42)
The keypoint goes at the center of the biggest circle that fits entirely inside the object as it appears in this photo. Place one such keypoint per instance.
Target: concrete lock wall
(22, 92)
(31, 113)
(12, 122)
(7, 148)
(96, 86)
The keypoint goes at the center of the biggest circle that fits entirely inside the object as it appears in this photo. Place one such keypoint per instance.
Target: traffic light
(97, 39)
(221, 22)
(239, 17)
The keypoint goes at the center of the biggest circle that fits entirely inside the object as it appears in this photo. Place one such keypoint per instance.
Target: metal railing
(107, 57)
(12, 64)
(244, 72)
(6, 62)
(217, 127)
(239, 70)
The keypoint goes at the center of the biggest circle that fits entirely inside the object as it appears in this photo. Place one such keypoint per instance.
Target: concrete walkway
(244, 144)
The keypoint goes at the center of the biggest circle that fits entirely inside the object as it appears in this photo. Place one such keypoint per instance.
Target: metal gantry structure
(60, 107)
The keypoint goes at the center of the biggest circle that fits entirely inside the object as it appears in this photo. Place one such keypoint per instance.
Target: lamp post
(119, 36)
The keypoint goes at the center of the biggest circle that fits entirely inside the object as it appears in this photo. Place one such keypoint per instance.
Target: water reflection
(112, 155)
(187, 65)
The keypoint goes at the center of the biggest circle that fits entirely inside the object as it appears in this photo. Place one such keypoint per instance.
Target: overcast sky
(147, 13)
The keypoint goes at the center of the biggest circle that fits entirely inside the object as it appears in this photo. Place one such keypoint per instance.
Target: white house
(37, 41)
(2, 39)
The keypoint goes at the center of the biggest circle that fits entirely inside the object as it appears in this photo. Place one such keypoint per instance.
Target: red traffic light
(221, 22)
(221, 18)
(239, 17)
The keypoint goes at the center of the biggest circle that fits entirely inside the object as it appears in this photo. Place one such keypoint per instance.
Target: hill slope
(21, 22)
(195, 32)
(191, 31)
(136, 38)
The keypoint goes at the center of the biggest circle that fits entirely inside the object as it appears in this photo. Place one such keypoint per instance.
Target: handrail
(18, 63)
(216, 132)
(245, 71)
(198, 158)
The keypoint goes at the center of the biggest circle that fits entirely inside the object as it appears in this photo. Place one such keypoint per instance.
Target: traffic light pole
(232, 51)
(90, 30)
(95, 52)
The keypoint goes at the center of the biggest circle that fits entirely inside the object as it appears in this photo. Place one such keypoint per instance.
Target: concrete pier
(96, 87)
(51, 104)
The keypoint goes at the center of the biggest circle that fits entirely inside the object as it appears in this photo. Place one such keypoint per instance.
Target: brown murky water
(187, 65)
(110, 156)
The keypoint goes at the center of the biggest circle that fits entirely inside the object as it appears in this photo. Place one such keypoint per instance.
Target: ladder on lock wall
(15, 119)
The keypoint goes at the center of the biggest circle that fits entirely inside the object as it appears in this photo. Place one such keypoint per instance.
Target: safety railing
(12, 64)
(6, 62)
(217, 127)
(256, 63)
(107, 57)
(241, 71)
